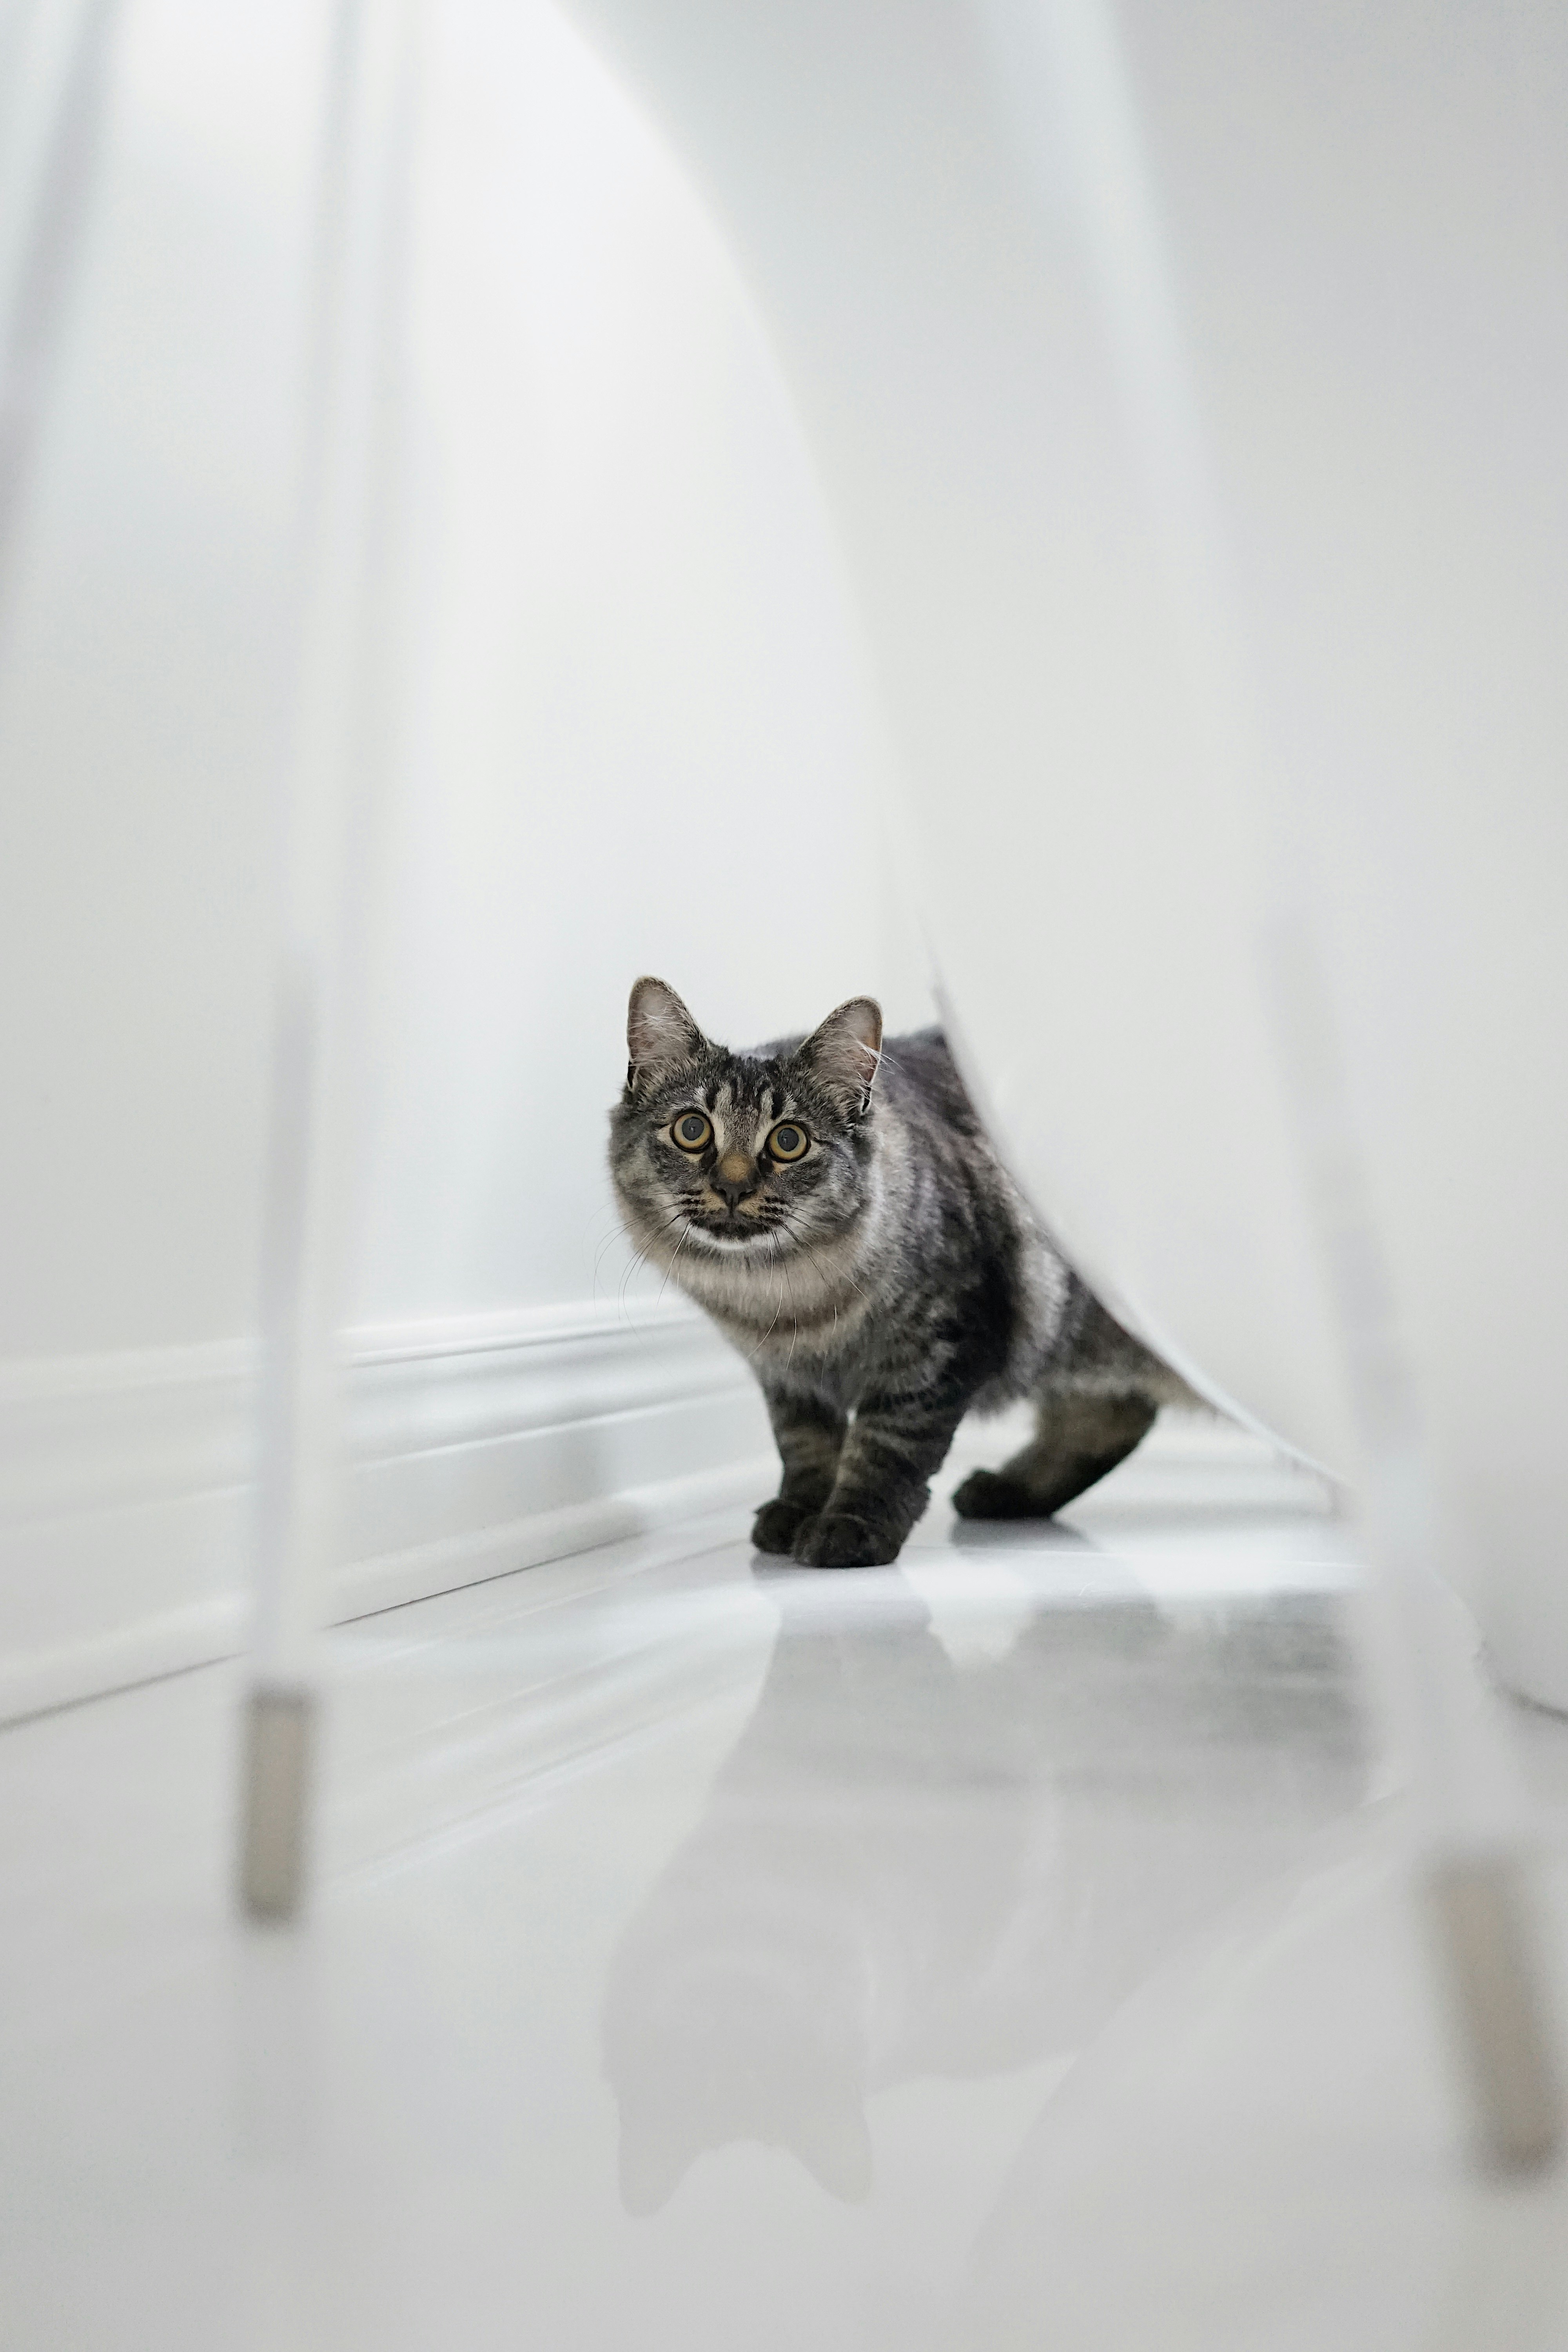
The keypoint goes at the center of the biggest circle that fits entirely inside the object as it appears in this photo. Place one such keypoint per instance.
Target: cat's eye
(692, 1131)
(788, 1141)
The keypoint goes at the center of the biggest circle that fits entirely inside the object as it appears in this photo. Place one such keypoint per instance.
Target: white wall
(640, 740)
(632, 734)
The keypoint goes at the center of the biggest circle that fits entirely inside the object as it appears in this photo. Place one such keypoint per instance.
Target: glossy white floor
(1006, 1950)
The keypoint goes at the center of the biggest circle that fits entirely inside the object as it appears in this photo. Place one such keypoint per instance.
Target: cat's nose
(734, 1176)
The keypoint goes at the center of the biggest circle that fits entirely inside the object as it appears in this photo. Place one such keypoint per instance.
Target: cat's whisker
(778, 1310)
(795, 1334)
(669, 1269)
(640, 1258)
(601, 1253)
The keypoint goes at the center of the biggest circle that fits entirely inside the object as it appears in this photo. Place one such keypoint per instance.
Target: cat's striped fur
(883, 1283)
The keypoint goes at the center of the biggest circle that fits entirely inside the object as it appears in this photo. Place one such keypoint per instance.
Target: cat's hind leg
(1078, 1440)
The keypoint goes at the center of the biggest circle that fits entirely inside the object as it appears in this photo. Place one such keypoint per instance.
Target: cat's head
(743, 1156)
(712, 2049)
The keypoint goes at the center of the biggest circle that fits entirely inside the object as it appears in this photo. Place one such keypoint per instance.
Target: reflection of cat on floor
(910, 1870)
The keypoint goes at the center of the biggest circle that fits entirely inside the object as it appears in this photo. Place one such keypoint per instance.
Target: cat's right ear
(661, 1036)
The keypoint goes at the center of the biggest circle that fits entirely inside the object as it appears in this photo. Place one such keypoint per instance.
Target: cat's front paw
(834, 1540)
(776, 1525)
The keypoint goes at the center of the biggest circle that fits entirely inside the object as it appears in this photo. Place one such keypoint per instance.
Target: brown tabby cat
(834, 1204)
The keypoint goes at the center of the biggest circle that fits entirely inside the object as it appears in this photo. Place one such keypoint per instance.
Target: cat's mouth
(732, 1229)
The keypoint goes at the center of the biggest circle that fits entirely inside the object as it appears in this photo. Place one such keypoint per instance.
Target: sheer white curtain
(1189, 385)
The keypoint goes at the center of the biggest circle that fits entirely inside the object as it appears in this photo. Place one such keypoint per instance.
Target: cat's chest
(835, 1355)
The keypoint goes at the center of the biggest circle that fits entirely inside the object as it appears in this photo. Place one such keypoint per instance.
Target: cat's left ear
(661, 1036)
(844, 1055)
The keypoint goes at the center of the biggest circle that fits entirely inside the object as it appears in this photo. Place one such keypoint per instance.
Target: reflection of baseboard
(478, 1445)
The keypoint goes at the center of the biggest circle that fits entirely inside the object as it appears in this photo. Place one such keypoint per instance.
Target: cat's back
(919, 1078)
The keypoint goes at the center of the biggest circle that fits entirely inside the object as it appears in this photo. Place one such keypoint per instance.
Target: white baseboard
(478, 1445)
